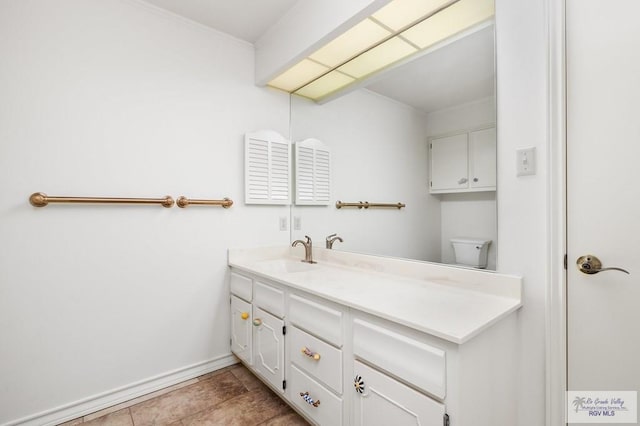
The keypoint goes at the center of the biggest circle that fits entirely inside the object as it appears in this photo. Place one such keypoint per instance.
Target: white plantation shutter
(313, 173)
(304, 174)
(267, 168)
(280, 171)
(323, 176)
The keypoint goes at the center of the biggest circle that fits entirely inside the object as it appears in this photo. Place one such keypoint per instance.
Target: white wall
(379, 154)
(472, 114)
(466, 214)
(116, 98)
(469, 215)
(523, 202)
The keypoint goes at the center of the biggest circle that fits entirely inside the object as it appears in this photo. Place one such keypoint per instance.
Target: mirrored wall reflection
(379, 138)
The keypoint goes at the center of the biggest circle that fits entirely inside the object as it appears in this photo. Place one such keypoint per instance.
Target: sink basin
(286, 266)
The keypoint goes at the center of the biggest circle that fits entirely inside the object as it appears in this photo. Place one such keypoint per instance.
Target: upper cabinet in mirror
(380, 138)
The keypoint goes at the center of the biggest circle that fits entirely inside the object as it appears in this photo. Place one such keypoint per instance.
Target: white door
(241, 329)
(449, 166)
(381, 400)
(482, 158)
(603, 187)
(268, 347)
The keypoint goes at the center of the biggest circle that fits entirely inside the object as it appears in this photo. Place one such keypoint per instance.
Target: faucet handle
(332, 239)
(308, 239)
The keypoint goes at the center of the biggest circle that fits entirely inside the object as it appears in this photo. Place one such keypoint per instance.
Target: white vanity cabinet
(463, 162)
(415, 378)
(257, 328)
(353, 358)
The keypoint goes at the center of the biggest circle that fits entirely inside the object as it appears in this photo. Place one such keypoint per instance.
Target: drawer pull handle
(257, 322)
(244, 315)
(315, 355)
(308, 399)
(358, 383)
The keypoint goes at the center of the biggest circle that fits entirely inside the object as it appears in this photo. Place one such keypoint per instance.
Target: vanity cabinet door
(241, 329)
(268, 342)
(449, 170)
(381, 400)
(482, 158)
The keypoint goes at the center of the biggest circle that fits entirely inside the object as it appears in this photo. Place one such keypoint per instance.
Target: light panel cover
(324, 85)
(358, 39)
(398, 14)
(450, 21)
(377, 58)
(298, 75)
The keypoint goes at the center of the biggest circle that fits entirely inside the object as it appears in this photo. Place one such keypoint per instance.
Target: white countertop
(451, 303)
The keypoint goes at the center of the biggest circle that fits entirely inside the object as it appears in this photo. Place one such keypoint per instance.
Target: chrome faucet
(308, 255)
(332, 239)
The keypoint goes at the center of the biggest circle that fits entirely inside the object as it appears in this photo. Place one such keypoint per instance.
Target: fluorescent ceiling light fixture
(451, 21)
(328, 83)
(358, 39)
(379, 57)
(398, 30)
(399, 14)
(298, 75)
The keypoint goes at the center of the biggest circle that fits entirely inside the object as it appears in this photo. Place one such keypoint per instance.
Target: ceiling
(458, 73)
(243, 19)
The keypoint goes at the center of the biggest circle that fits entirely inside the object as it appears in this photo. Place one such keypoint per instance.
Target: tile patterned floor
(227, 397)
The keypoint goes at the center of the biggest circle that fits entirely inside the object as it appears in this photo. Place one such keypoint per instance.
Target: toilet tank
(471, 251)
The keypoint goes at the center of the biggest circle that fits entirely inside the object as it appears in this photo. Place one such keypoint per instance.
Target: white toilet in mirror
(470, 252)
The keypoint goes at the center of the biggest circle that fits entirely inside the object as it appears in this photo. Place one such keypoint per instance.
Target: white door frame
(556, 312)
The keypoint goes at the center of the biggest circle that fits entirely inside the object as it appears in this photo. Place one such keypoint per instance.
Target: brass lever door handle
(590, 264)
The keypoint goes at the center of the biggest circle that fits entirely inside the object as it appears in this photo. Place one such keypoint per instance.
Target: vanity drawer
(328, 411)
(406, 358)
(327, 368)
(320, 320)
(269, 298)
(240, 286)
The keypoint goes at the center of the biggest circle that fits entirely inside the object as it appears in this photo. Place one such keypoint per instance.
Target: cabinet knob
(257, 322)
(462, 180)
(244, 315)
(475, 179)
(314, 355)
(358, 383)
(308, 399)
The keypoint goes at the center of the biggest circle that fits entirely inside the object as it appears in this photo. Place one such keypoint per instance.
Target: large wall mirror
(379, 137)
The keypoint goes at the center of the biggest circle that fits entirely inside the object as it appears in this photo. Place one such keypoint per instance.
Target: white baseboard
(113, 397)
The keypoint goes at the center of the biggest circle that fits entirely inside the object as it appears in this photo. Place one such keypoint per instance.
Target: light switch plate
(284, 225)
(297, 223)
(526, 162)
